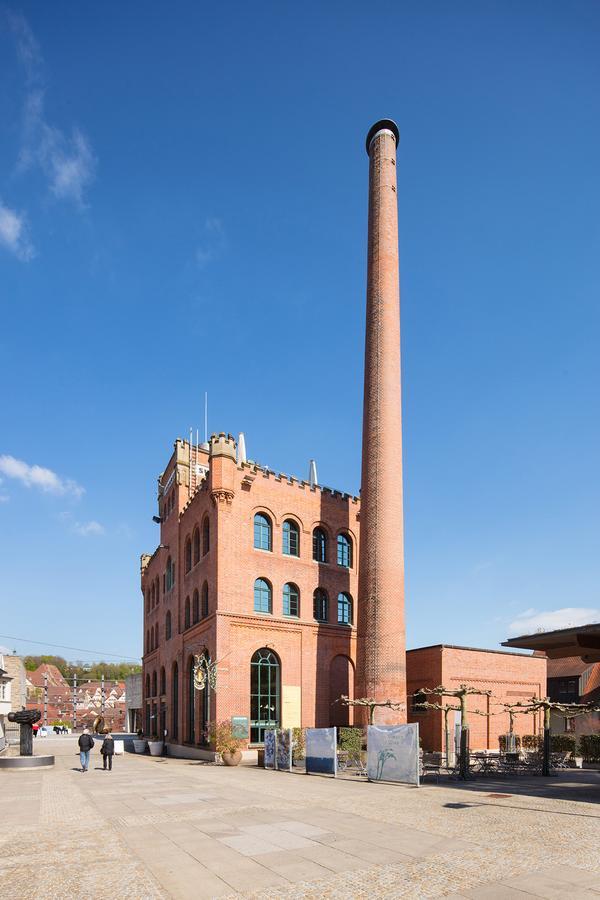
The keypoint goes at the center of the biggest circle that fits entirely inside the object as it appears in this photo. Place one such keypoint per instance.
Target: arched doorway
(265, 694)
(191, 703)
(204, 737)
(341, 684)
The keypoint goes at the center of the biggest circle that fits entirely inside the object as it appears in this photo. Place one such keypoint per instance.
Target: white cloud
(39, 477)
(213, 242)
(14, 233)
(85, 529)
(67, 161)
(530, 621)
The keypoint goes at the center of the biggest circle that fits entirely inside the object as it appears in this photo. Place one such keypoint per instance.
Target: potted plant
(155, 746)
(226, 744)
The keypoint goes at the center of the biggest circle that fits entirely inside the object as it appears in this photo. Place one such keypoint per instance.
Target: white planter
(156, 748)
(119, 747)
(139, 746)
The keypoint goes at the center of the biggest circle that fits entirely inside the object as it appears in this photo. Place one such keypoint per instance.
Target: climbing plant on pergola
(461, 693)
(371, 704)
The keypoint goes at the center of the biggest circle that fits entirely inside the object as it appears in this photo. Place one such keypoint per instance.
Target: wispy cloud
(87, 529)
(212, 244)
(532, 620)
(39, 477)
(66, 159)
(14, 233)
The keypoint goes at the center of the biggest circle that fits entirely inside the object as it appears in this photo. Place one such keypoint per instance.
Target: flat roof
(579, 640)
(473, 649)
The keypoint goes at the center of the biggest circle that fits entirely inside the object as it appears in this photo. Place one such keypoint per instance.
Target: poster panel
(283, 749)
(270, 748)
(321, 751)
(393, 753)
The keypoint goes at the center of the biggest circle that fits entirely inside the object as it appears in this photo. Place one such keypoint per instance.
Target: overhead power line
(10, 637)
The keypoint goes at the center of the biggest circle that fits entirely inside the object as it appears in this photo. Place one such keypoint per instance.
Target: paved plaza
(157, 828)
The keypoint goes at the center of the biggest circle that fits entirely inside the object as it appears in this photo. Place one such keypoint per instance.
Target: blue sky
(183, 208)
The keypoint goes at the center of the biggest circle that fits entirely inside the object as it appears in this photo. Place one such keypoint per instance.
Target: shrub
(298, 744)
(589, 745)
(221, 735)
(563, 743)
(503, 741)
(351, 740)
(533, 742)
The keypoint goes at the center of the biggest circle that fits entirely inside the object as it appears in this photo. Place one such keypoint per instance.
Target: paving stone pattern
(155, 828)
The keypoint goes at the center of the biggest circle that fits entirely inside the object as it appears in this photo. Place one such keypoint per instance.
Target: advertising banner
(321, 751)
(283, 749)
(393, 753)
(270, 748)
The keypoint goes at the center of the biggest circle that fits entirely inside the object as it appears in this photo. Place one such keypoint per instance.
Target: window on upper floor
(205, 536)
(186, 615)
(204, 609)
(163, 681)
(154, 685)
(263, 532)
(168, 627)
(187, 554)
(291, 538)
(170, 575)
(263, 596)
(291, 600)
(344, 609)
(321, 605)
(196, 545)
(195, 608)
(319, 545)
(344, 550)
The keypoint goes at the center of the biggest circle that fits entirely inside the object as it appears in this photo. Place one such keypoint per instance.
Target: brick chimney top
(383, 125)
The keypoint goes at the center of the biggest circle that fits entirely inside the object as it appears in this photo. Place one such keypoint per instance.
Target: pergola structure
(580, 640)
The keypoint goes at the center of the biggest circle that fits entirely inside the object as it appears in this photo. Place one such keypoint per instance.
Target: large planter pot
(156, 747)
(231, 758)
(139, 746)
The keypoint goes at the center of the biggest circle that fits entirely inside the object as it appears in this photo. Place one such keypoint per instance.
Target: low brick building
(512, 677)
(257, 572)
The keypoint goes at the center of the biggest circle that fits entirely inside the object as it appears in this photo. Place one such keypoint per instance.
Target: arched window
(319, 545)
(148, 647)
(205, 536)
(265, 677)
(291, 538)
(175, 702)
(263, 532)
(186, 618)
(196, 545)
(163, 681)
(168, 627)
(170, 574)
(321, 605)
(157, 582)
(195, 608)
(147, 685)
(154, 691)
(191, 703)
(153, 600)
(156, 636)
(205, 600)
(291, 600)
(262, 596)
(344, 551)
(344, 609)
(188, 554)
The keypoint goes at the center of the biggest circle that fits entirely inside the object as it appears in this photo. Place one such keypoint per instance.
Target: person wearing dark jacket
(107, 750)
(86, 742)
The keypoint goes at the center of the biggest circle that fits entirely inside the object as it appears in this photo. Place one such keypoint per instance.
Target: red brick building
(512, 677)
(259, 572)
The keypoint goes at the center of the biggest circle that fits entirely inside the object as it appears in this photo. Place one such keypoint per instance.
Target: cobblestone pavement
(157, 828)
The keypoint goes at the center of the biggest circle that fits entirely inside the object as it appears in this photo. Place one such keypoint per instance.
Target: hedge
(589, 745)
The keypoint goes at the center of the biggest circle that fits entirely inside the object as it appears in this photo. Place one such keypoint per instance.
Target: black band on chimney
(383, 123)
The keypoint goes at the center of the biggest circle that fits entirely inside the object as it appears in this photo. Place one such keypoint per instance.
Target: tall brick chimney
(381, 652)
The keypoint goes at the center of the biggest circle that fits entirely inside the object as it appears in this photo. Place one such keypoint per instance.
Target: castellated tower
(381, 662)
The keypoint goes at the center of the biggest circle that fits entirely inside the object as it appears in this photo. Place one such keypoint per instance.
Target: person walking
(107, 750)
(86, 742)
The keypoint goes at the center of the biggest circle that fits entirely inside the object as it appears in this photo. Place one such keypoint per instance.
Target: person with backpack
(86, 742)
(107, 750)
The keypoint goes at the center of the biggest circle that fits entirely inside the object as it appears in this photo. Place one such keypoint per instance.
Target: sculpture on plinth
(25, 719)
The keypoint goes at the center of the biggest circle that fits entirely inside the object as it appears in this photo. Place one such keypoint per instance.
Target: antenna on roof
(206, 417)
(313, 479)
